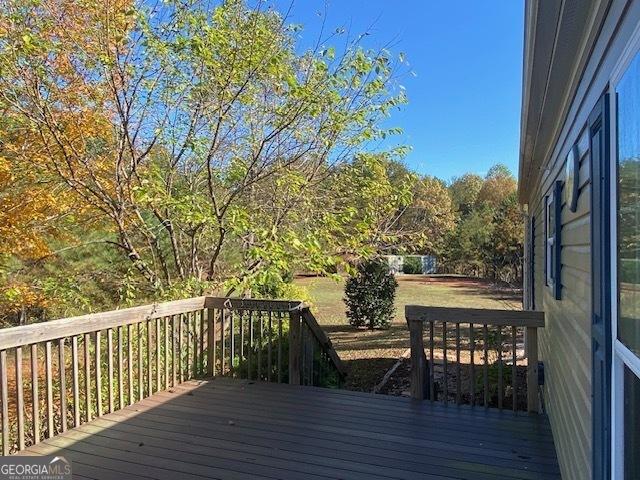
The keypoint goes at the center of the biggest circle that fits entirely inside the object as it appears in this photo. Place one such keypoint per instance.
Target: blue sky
(464, 102)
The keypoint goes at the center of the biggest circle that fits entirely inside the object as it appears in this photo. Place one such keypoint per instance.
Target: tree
(466, 251)
(464, 192)
(430, 218)
(192, 133)
(369, 295)
(507, 240)
(498, 185)
(489, 236)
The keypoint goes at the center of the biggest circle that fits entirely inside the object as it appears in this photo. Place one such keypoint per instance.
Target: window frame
(621, 355)
(553, 246)
(548, 242)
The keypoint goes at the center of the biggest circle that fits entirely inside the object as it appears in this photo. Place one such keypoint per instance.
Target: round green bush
(369, 295)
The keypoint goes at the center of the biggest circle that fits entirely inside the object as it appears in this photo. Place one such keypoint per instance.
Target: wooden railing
(60, 374)
(475, 356)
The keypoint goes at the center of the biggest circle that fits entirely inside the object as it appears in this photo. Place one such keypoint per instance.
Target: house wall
(565, 342)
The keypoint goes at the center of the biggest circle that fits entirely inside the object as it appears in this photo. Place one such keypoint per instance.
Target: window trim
(553, 246)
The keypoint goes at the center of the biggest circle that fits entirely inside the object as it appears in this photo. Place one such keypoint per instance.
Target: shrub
(412, 265)
(369, 295)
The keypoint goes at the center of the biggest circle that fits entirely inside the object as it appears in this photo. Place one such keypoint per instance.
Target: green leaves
(203, 140)
(369, 295)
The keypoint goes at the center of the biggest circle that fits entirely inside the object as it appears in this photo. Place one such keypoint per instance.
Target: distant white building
(396, 263)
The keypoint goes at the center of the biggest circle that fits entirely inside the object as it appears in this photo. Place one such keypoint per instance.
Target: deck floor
(232, 429)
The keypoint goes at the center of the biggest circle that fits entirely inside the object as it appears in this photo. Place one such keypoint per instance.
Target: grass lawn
(369, 354)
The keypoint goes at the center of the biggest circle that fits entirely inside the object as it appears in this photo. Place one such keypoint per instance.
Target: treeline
(488, 238)
(472, 224)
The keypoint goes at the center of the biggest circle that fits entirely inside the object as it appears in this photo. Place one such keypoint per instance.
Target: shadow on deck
(233, 429)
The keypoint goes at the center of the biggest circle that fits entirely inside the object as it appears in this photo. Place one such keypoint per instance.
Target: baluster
(110, 368)
(322, 373)
(202, 350)
(500, 386)
(4, 397)
(149, 360)
(35, 401)
(140, 371)
(311, 353)
(193, 328)
(269, 348)
(232, 342)
(241, 325)
(444, 359)
(174, 355)
(165, 324)
(295, 347)
(222, 341)
(432, 393)
(49, 386)
(211, 342)
(130, 362)
(120, 362)
(250, 352)
(194, 368)
(19, 398)
(87, 376)
(213, 346)
(157, 339)
(472, 376)
(180, 334)
(63, 384)
(279, 347)
(98, 374)
(485, 367)
(75, 381)
(303, 353)
(260, 332)
(458, 374)
(514, 370)
(187, 340)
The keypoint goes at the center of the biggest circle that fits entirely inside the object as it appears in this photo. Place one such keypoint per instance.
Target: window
(553, 205)
(625, 299)
(549, 228)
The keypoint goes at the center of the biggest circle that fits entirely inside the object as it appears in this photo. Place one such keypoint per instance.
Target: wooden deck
(232, 429)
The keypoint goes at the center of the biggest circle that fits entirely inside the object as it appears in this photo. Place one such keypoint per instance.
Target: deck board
(232, 429)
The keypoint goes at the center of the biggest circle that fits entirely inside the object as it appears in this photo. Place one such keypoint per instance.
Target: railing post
(294, 346)
(531, 350)
(210, 337)
(418, 360)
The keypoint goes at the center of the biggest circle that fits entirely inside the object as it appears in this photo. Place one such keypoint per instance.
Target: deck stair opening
(474, 356)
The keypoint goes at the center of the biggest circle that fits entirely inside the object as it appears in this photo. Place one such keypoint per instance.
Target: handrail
(480, 316)
(444, 338)
(240, 303)
(102, 362)
(323, 339)
(45, 331)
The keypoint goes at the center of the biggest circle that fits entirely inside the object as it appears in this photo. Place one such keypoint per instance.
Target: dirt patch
(365, 373)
